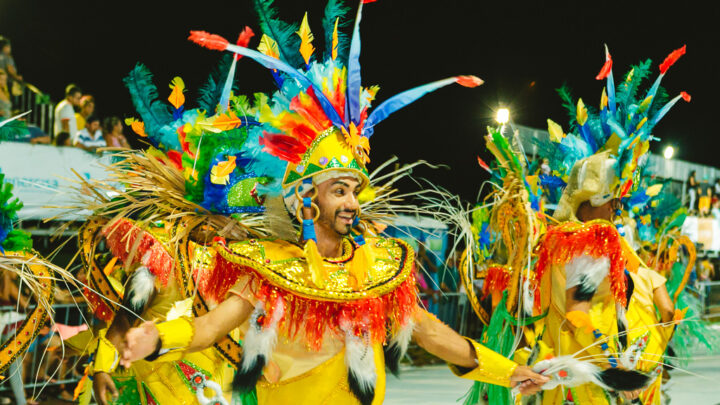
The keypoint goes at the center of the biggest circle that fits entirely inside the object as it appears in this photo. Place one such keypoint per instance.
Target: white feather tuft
(402, 339)
(359, 358)
(587, 270)
(142, 286)
(569, 372)
(259, 341)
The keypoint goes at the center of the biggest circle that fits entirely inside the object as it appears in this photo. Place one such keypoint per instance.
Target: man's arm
(206, 330)
(664, 303)
(443, 342)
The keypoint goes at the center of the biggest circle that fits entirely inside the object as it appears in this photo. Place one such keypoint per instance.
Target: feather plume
(177, 98)
(336, 41)
(567, 102)
(269, 47)
(586, 272)
(401, 100)
(212, 90)
(281, 32)
(209, 41)
(628, 90)
(606, 68)
(360, 361)
(154, 113)
(306, 37)
(671, 59)
(571, 372)
(141, 287)
(354, 80)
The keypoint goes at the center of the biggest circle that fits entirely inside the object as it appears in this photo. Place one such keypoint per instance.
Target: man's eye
(340, 191)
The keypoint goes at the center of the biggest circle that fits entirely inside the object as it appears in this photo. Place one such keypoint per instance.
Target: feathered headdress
(622, 127)
(320, 118)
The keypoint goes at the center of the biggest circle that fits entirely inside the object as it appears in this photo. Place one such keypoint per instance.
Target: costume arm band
(492, 368)
(106, 355)
(176, 334)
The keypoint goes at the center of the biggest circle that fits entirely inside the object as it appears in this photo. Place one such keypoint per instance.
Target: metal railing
(44, 364)
(43, 110)
(709, 292)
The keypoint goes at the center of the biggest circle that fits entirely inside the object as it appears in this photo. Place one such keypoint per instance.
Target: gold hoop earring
(299, 215)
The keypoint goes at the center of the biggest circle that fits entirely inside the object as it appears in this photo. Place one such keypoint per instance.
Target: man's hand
(527, 381)
(632, 394)
(103, 384)
(140, 343)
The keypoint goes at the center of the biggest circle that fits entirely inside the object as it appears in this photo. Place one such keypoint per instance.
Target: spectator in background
(91, 138)
(545, 167)
(5, 104)
(87, 108)
(692, 188)
(65, 112)
(113, 132)
(62, 140)
(7, 63)
(716, 188)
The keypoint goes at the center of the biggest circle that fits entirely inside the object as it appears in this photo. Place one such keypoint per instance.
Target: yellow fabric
(642, 321)
(80, 122)
(492, 368)
(106, 355)
(562, 340)
(324, 384)
(176, 334)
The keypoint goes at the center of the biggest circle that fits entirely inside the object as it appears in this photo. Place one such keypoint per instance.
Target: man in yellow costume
(323, 313)
(609, 317)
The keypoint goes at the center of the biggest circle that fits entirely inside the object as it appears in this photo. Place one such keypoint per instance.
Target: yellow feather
(603, 100)
(555, 130)
(335, 39)
(306, 37)
(269, 47)
(177, 98)
(582, 114)
(318, 272)
(654, 190)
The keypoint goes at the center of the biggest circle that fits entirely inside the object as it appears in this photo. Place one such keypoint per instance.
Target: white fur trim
(142, 286)
(359, 357)
(588, 269)
(402, 339)
(259, 341)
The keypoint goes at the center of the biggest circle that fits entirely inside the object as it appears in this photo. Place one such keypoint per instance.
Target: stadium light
(669, 152)
(503, 116)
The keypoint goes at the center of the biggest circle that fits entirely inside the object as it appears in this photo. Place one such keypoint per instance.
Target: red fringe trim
(497, 279)
(314, 316)
(570, 240)
(120, 237)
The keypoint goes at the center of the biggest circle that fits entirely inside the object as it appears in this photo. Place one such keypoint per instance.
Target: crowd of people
(76, 123)
(703, 196)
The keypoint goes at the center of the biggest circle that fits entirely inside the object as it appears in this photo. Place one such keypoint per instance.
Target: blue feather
(660, 114)
(353, 75)
(225, 95)
(283, 33)
(153, 112)
(399, 101)
(272, 63)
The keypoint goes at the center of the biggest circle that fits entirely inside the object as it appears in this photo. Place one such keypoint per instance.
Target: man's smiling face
(338, 202)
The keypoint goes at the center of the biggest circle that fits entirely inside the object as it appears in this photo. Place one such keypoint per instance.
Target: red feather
(176, 158)
(671, 59)
(283, 146)
(210, 41)
(626, 188)
(369, 1)
(685, 96)
(244, 39)
(484, 165)
(469, 81)
(606, 69)
(311, 112)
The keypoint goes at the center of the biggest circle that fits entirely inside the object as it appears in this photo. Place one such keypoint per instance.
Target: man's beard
(343, 229)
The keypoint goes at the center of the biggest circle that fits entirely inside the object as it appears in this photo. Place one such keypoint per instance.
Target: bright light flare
(503, 116)
(669, 152)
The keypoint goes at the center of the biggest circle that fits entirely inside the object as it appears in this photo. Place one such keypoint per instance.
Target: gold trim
(405, 264)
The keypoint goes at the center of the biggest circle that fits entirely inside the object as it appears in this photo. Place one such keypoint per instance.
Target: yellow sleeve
(176, 334)
(492, 368)
(656, 279)
(106, 355)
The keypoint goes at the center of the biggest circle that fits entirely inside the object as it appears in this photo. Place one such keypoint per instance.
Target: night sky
(522, 50)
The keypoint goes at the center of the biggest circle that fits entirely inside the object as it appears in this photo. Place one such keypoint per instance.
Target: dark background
(523, 50)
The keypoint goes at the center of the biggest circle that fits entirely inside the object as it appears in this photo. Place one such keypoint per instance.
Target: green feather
(153, 112)
(12, 130)
(627, 91)
(280, 31)
(336, 9)
(210, 92)
(566, 96)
